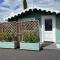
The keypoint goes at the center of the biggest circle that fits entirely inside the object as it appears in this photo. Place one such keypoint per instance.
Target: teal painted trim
(40, 33)
(6, 44)
(57, 36)
(29, 46)
(58, 29)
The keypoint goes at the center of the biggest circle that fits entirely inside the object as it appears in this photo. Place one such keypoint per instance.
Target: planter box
(6, 44)
(29, 46)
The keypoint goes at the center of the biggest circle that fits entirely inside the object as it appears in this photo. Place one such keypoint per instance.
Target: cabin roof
(44, 11)
(39, 8)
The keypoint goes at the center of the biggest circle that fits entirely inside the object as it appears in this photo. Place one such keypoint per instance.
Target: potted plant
(30, 41)
(6, 40)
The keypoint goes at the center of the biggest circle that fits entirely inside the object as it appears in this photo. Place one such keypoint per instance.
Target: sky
(9, 8)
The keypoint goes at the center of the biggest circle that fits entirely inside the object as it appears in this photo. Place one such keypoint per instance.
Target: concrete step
(52, 46)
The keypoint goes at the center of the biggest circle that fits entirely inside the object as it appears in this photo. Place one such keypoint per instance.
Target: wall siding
(57, 29)
(37, 16)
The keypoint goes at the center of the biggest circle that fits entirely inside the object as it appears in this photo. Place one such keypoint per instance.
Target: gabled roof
(39, 8)
(43, 11)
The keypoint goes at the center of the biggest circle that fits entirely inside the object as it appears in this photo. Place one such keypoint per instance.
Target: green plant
(31, 37)
(6, 36)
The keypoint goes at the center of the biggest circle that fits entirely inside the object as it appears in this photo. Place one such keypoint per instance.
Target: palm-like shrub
(31, 37)
(5, 36)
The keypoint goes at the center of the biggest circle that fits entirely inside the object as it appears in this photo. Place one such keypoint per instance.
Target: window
(48, 24)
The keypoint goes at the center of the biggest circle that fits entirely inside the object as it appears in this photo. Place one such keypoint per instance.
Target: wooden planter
(30, 46)
(6, 44)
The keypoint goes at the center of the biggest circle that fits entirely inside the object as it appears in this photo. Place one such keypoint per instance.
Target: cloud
(57, 0)
(7, 7)
(12, 3)
(53, 4)
(4, 12)
(12, 7)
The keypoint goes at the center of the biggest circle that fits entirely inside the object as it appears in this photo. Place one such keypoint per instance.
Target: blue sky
(9, 8)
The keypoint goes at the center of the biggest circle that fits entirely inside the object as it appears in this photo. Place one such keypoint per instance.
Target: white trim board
(54, 25)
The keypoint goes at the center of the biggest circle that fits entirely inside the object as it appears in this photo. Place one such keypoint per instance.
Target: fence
(11, 31)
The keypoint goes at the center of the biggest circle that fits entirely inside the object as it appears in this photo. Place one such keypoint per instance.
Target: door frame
(54, 26)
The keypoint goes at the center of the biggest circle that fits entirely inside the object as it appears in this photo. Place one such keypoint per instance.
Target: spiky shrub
(5, 36)
(31, 37)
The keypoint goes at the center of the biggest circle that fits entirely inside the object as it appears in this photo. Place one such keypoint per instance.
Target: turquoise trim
(57, 36)
(58, 29)
(6, 44)
(29, 46)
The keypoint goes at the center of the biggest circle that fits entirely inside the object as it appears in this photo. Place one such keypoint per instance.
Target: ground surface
(16, 54)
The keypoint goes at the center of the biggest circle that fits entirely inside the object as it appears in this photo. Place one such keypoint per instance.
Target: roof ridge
(47, 9)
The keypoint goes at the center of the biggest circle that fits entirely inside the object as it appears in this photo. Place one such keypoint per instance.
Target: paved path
(12, 54)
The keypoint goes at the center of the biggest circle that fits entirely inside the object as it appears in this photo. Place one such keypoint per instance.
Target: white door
(48, 28)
